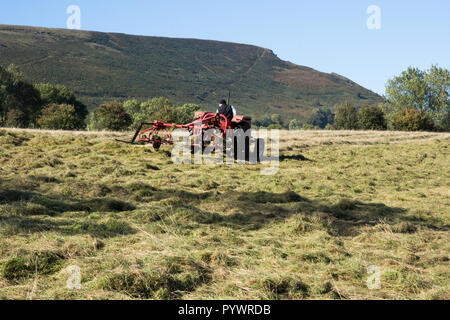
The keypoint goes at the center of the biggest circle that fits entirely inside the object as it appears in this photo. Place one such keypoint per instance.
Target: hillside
(103, 66)
(140, 227)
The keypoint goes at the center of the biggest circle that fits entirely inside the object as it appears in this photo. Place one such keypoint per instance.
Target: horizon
(335, 38)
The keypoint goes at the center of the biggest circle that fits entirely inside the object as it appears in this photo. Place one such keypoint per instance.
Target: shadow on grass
(29, 211)
(254, 210)
(343, 218)
(296, 157)
(110, 228)
(53, 206)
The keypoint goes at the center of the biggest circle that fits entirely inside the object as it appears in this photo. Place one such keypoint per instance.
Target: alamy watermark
(374, 20)
(74, 280)
(374, 280)
(213, 147)
(74, 20)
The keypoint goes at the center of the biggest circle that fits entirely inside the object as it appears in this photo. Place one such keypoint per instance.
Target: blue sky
(327, 35)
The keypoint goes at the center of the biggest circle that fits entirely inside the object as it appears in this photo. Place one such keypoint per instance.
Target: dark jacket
(227, 111)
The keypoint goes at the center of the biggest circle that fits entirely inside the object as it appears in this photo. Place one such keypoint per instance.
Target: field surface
(136, 226)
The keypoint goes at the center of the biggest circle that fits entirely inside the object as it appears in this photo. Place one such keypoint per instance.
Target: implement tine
(135, 135)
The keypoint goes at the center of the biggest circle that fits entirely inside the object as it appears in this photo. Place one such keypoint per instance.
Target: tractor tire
(156, 144)
(240, 154)
(259, 148)
(246, 153)
(247, 149)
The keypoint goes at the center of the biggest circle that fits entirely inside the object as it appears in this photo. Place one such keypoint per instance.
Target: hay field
(139, 227)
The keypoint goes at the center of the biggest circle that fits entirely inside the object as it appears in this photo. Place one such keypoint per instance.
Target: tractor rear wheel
(245, 154)
(242, 154)
(260, 145)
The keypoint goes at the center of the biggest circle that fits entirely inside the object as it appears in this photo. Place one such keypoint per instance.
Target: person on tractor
(228, 111)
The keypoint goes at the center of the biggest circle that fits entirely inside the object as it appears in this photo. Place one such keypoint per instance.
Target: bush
(59, 94)
(295, 124)
(410, 119)
(371, 118)
(16, 119)
(60, 117)
(321, 118)
(275, 126)
(133, 108)
(346, 117)
(92, 122)
(112, 116)
(187, 112)
(160, 109)
(266, 122)
(308, 126)
(272, 122)
(276, 119)
(444, 124)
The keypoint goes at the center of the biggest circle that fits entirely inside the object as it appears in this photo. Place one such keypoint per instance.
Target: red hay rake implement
(158, 133)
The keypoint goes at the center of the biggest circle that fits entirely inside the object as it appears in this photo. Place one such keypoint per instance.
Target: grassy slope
(140, 227)
(105, 66)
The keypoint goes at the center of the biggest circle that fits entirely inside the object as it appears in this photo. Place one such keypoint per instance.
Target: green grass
(140, 227)
(101, 67)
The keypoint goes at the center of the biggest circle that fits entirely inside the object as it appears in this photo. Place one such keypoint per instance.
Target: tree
(276, 119)
(16, 119)
(308, 126)
(151, 110)
(59, 94)
(266, 122)
(17, 94)
(438, 80)
(411, 119)
(321, 117)
(92, 122)
(132, 107)
(346, 117)
(444, 124)
(295, 124)
(160, 109)
(371, 118)
(59, 117)
(187, 112)
(275, 126)
(272, 122)
(426, 91)
(14, 71)
(112, 116)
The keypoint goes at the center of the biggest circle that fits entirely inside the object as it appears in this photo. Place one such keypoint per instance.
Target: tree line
(416, 100)
(24, 105)
(47, 106)
(119, 116)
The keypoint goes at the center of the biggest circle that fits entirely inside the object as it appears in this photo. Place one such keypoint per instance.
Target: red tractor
(158, 134)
